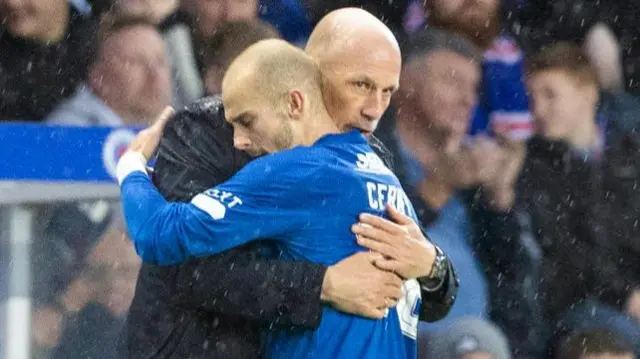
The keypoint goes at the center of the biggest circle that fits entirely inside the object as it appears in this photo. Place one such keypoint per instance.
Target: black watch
(434, 281)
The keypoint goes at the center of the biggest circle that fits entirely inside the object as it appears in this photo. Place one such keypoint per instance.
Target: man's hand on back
(356, 286)
(406, 251)
(147, 141)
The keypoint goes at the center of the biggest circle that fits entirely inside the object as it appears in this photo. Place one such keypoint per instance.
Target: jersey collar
(353, 136)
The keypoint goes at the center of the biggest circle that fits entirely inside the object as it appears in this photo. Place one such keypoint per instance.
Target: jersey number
(409, 308)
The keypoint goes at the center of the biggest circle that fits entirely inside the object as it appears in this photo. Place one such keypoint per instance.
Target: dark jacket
(619, 176)
(36, 77)
(91, 333)
(213, 307)
(572, 233)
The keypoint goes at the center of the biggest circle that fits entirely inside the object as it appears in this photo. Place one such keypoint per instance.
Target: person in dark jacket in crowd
(575, 195)
(214, 307)
(434, 112)
(45, 48)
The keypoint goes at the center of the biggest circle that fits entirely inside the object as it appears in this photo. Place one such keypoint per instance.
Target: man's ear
(296, 104)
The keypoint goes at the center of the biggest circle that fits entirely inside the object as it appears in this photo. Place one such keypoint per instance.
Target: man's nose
(242, 143)
(374, 107)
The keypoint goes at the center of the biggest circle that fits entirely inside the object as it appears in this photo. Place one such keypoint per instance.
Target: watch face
(438, 275)
(440, 265)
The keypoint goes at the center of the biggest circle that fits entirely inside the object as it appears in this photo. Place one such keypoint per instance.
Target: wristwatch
(434, 281)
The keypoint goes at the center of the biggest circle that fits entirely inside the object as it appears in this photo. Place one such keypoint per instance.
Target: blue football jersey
(305, 200)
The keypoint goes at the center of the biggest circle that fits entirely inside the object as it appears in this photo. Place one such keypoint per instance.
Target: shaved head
(347, 30)
(272, 97)
(360, 62)
(269, 69)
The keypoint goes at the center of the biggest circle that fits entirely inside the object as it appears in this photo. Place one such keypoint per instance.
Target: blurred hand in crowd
(46, 327)
(633, 304)
(115, 266)
(498, 164)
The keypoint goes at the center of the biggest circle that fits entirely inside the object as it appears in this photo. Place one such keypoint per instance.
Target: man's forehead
(233, 107)
(234, 91)
(239, 102)
(380, 76)
(385, 71)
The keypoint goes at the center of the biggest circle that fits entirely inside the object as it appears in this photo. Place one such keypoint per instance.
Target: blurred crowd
(515, 128)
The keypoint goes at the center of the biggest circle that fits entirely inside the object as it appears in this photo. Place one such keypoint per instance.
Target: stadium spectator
(503, 106)
(466, 338)
(65, 234)
(128, 83)
(229, 41)
(175, 29)
(97, 313)
(595, 344)
(44, 54)
(583, 123)
(439, 89)
(438, 92)
(572, 196)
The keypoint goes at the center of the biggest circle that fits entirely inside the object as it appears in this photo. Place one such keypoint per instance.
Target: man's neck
(318, 127)
(132, 116)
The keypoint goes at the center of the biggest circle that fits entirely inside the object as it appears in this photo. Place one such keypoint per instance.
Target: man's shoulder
(83, 109)
(202, 120)
(298, 160)
(196, 151)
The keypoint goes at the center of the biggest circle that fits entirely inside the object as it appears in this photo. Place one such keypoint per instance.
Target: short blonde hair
(275, 67)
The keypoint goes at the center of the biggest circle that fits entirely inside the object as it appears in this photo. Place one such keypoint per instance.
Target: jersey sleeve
(260, 202)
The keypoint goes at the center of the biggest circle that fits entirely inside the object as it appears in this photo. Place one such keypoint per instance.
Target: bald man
(360, 62)
(272, 96)
(197, 153)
